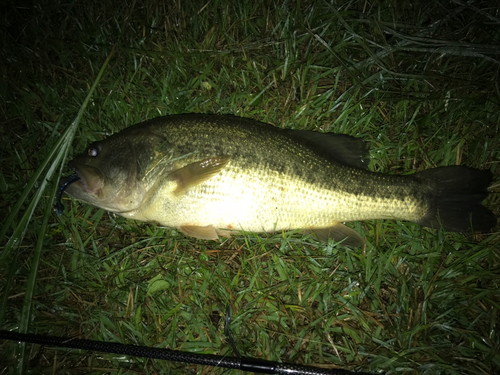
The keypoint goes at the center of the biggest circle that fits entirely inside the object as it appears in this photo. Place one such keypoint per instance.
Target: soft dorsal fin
(340, 148)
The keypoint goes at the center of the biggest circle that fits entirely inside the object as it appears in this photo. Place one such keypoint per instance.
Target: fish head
(114, 172)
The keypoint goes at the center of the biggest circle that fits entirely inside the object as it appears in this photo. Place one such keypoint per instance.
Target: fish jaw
(91, 180)
(94, 188)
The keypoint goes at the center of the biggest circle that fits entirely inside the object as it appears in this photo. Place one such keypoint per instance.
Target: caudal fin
(456, 200)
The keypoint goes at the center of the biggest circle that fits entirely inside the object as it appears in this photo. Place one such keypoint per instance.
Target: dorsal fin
(339, 148)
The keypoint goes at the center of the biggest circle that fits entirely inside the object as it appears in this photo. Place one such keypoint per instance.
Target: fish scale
(249, 193)
(207, 174)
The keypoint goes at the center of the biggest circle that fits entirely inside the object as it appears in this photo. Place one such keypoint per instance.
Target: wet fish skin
(208, 175)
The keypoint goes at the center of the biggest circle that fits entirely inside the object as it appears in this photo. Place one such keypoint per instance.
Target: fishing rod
(239, 363)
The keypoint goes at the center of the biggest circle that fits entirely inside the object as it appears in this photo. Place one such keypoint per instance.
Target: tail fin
(456, 201)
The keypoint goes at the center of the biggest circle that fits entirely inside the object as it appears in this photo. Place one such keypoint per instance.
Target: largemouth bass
(208, 175)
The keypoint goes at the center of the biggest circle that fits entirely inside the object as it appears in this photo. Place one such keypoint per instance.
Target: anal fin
(339, 232)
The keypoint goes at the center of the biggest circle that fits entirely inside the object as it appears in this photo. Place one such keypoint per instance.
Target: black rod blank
(243, 363)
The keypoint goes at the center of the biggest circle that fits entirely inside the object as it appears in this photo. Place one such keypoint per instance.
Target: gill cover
(114, 172)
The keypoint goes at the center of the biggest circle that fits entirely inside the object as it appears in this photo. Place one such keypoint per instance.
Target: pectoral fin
(198, 172)
(339, 232)
(204, 233)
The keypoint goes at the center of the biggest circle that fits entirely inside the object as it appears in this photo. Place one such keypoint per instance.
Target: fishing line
(243, 363)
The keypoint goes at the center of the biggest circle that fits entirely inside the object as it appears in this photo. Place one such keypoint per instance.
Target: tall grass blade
(56, 156)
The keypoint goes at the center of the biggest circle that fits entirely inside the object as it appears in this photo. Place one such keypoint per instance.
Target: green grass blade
(60, 150)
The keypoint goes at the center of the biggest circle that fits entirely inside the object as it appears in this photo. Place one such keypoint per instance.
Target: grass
(418, 81)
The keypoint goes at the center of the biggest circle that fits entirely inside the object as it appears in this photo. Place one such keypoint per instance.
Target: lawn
(418, 81)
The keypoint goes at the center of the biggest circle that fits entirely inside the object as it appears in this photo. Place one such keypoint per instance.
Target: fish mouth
(85, 184)
(90, 180)
(78, 177)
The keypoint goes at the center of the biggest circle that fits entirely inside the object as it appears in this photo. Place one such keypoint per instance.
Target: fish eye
(93, 151)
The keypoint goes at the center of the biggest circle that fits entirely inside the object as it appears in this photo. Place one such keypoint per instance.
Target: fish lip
(81, 181)
(91, 179)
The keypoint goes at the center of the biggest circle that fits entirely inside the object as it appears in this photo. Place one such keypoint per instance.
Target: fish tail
(456, 196)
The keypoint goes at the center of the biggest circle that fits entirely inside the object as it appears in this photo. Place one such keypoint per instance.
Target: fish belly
(239, 199)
